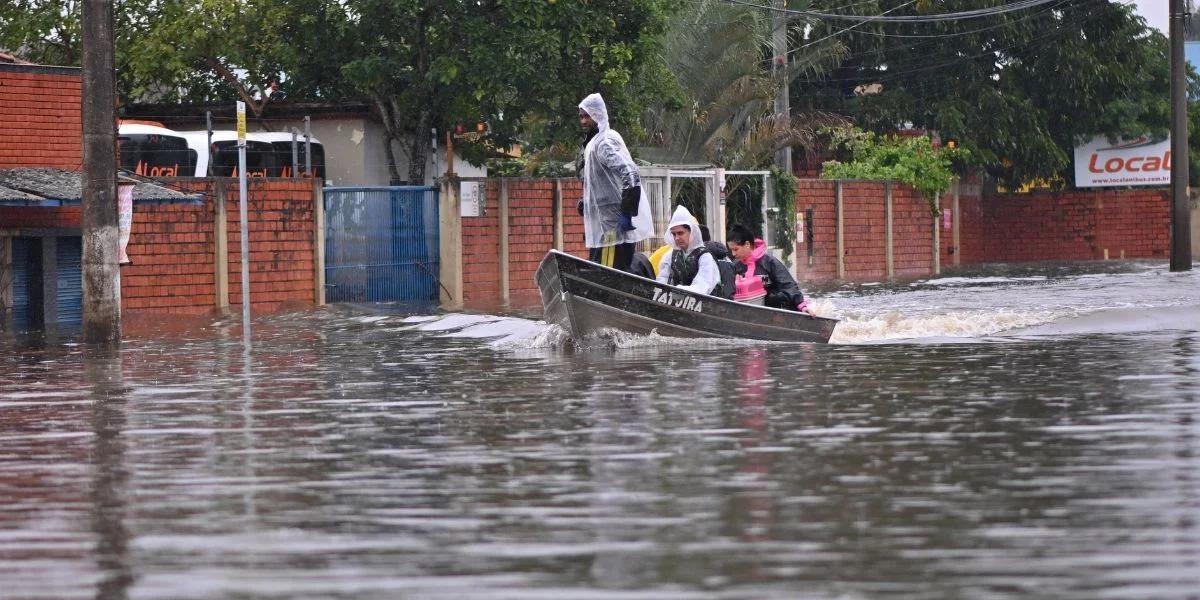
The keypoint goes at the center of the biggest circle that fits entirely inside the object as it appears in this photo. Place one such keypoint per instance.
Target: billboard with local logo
(1140, 161)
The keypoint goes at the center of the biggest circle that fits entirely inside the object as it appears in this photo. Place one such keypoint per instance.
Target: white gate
(657, 180)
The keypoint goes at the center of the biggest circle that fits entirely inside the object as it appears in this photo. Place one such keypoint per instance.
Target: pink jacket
(749, 286)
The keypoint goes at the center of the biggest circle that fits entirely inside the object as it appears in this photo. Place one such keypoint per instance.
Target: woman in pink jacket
(761, 278)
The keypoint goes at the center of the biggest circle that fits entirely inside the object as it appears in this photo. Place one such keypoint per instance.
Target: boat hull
(583, 298)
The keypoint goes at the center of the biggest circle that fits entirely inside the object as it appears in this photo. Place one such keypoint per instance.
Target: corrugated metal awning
(59, 187)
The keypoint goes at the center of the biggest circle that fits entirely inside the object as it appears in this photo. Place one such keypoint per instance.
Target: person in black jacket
(751, 260)
(721, 254)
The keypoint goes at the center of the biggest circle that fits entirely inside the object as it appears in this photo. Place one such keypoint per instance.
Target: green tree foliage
(42, 31)
(911, 160)
(184, 50)
(1019, 89)
(522, 66)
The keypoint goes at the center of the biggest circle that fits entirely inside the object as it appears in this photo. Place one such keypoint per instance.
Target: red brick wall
(40, 122)
(48, 217)
(864, 222)
(572, 193)
(173, 246)
(282, 239)
(530, 236)
(912, 233)
(864, 218)
(531, 233)
(481, 251)
(1076, 225)
(819, 195)
(969, 221)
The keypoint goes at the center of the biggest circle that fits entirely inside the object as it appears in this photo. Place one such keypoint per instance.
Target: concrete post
(889, 236)
(558, 215)
(503, 242)
(101, 269)
(1195, 209)
(957, 219)
(318, 242)
(937, 243)
(221, 253)
(839, 225)
(450, 240)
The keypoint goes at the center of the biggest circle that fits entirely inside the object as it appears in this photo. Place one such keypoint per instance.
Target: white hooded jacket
(708, 276)
(608, 170)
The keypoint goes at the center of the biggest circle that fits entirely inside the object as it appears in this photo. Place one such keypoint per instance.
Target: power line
(814, 42)
(886, 75)
(1056, 6)
(957, 16)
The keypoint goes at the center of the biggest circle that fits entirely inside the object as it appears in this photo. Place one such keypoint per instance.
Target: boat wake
(948, 310)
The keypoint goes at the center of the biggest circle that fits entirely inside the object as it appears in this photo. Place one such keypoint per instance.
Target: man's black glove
(631, 199)
(579, 207)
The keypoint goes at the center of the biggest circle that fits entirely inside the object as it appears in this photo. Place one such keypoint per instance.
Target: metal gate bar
(381, 244)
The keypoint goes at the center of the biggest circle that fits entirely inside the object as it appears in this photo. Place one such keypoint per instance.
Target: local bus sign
(1140, 161)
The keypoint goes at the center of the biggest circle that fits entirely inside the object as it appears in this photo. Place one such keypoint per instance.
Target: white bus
(151, 150)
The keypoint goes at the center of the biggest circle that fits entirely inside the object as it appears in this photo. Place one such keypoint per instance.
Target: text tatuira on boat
(584, 297)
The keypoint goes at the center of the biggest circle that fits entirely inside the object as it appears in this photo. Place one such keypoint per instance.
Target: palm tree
(719, 54)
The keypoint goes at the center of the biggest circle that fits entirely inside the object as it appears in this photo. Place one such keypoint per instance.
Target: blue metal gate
(21, 280)
(70, 279)
(381, 244)
(28, 283)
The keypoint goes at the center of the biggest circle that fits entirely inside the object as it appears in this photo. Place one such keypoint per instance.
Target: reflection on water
(373, 456)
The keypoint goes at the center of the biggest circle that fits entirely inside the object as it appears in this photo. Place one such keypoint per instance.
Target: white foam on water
(420, 318)
(1122, 320)
(974, 280)
(895, 325)
(455, 321)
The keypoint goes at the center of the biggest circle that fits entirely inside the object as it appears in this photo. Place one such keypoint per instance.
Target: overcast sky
(1155, 12)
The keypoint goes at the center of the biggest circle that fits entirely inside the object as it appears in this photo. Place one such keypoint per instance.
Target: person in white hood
(689, 264)
(616, 212)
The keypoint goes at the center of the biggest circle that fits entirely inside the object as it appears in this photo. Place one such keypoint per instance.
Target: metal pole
(295, 156)
(208, 149)
(1181, 235)
(308, 147)
(243, 225)
(101, 271)
(779, 39)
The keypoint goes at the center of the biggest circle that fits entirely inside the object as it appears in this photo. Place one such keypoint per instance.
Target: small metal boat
(584, 297)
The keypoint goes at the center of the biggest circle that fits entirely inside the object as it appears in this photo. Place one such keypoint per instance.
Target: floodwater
(1017, 433)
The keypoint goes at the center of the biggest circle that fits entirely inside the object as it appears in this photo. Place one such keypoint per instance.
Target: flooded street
(1023, 433)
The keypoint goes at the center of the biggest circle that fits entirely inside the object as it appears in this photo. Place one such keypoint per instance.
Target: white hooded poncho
(708, 276)
(608, 169)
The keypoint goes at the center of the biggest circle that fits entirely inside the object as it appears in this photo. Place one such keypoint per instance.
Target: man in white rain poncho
(616, 213)
(689, 264)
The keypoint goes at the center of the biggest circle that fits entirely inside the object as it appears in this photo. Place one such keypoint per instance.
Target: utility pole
(101, 271)
(1181, 230)
(779, 60)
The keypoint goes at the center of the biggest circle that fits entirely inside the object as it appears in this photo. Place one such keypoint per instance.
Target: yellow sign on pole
(241, 123)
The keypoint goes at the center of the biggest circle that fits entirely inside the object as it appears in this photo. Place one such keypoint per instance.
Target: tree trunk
(417, 145)
(390, 134)
(418, 149)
